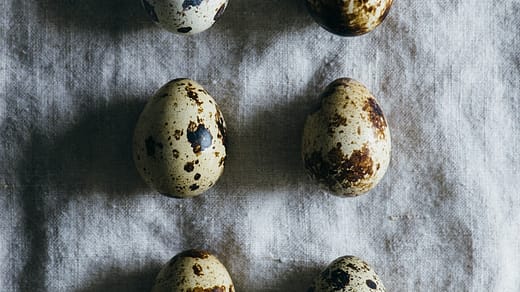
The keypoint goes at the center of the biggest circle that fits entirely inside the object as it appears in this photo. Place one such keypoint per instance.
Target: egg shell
(185, 16)
(346, 143)
(180, 140)
(349, 17)
(348, 274)
(193, 271)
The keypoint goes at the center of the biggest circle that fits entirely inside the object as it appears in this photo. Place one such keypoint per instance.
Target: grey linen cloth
(75, 215)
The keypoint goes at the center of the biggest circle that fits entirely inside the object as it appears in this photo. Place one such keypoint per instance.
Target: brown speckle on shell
(336, 121)
(178, 134)
(197, 269)
(175, 153)
(338, 168)
(376, 116)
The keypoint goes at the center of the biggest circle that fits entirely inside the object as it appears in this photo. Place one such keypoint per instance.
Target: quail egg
(185, 16)
(349, 17)
(179, 144)
(348, 274)
(193, 271)
(346, 143)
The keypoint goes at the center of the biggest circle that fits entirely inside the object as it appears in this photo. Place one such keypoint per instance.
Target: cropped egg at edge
(348, 274)
(349, 17)
(185, 16)
(193, 271)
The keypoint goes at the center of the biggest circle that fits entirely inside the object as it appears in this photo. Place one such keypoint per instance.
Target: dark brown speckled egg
(349, 17)
(346, 143)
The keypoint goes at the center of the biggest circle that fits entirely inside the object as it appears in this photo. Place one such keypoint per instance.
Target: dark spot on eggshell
(194, 253)
(184, 29)
(150, 10)
(197, 270)
(150, 146)
(187, 3)
(194, 187)
(178, 134)
(371, 284)
(220, 12)
(376, 117)
(338, 279)
(175, 153)
(197, 176)
(188, 167)
(199, 137)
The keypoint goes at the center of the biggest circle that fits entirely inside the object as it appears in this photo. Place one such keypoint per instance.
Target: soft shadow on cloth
(93, 155)
(113, 16)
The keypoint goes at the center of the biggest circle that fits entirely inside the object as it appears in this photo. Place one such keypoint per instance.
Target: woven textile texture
(76, 216)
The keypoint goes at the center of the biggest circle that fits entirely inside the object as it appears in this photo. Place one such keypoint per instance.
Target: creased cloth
(75, 215)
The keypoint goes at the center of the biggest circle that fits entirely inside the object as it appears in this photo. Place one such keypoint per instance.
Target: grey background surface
(75, 216)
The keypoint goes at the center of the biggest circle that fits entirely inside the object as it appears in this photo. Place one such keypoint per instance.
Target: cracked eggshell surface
(185, 16)
(349, 17)
(179, 144)
(348, 274)
(193, 271)
(346, 143)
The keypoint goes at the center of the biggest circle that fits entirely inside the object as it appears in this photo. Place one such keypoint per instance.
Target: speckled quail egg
(349, 17)
(348, 274)
(179, 144)
(185, 16)
(346, 143)
(193, 271)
